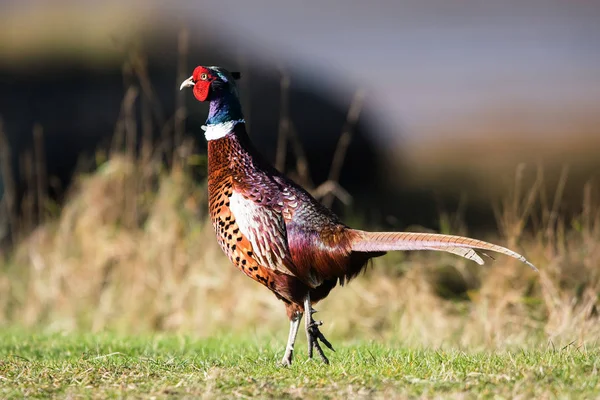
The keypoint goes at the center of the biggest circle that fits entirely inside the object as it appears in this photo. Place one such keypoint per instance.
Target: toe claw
(326, 342)
(285, 363)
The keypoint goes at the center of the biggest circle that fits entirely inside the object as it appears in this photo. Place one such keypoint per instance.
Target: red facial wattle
(203, 79)
(201, 89)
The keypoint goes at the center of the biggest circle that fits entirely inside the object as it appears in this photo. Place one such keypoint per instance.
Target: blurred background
(470, 116)
(455, 95)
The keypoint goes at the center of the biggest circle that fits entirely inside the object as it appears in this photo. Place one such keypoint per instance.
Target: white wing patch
(264, 229)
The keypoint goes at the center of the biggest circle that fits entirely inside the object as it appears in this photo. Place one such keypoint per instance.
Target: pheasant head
(217, 86)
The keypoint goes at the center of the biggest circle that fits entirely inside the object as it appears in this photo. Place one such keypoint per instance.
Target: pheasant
(275, 232)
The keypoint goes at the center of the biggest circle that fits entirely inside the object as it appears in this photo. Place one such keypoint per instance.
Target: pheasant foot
(313, 334)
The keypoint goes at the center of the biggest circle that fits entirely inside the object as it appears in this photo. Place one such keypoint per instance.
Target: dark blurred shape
(457, 95)
(3, 215)
(6, 200)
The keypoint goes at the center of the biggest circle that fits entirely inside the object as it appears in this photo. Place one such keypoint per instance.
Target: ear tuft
(236, 75)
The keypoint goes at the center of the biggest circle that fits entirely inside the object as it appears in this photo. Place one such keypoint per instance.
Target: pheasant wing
(264, 227)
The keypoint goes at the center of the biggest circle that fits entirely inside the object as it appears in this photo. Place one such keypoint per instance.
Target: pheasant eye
(203, 76)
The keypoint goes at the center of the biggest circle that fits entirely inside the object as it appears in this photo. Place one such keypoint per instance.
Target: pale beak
(187, 83)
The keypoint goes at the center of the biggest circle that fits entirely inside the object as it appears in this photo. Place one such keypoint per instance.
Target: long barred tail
(459, 245)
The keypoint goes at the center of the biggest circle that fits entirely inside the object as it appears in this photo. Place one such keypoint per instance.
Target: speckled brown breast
(237, 247)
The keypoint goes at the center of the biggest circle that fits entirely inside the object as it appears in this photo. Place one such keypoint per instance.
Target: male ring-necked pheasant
(276, 232)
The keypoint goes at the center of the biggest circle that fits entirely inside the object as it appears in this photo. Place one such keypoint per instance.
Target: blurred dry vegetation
(131, 250)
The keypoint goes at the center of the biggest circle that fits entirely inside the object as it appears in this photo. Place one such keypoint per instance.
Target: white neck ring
(217, 131)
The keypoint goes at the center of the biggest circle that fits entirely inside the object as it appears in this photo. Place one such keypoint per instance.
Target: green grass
(105, 365)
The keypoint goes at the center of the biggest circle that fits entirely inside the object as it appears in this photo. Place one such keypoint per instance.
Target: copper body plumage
(276, 233)
(297, 246)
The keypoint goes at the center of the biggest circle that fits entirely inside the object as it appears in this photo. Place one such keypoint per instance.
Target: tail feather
(459, 245)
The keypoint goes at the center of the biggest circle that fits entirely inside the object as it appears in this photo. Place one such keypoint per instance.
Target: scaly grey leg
(289, 349)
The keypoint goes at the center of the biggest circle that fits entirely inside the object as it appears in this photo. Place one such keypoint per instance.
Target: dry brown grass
(126, 258)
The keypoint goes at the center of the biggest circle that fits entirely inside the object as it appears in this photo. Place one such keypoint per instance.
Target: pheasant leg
(313, 334)
(289, 349)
